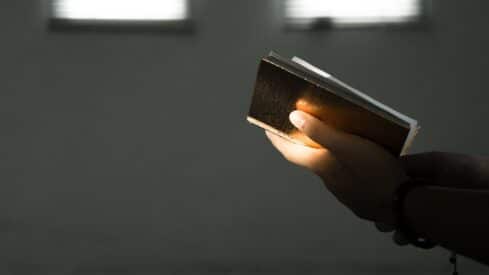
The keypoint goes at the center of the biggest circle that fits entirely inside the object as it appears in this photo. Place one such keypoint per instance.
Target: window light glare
(137, 10)
(353, 11)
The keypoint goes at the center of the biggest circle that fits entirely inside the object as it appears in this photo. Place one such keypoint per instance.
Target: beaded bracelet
(403, 227)
(400, 217)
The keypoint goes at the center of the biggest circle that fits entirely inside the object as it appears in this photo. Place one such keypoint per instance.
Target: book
(284, 85)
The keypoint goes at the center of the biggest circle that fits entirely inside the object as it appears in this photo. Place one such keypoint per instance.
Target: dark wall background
(130, 153)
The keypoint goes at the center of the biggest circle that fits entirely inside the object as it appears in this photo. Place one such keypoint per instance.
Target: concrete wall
(129, 152)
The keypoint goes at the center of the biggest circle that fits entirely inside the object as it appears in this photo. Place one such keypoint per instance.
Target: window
(119, 12)
(352, 12)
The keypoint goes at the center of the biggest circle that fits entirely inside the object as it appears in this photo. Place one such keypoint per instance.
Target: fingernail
(297, 119)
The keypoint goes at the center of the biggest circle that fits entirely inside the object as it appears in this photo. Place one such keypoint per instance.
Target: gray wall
(130, 152)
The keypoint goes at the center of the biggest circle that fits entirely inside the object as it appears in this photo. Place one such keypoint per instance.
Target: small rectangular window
(119, 12)
(352, 12)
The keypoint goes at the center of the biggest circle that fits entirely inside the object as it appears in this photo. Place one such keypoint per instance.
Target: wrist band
(401, 221)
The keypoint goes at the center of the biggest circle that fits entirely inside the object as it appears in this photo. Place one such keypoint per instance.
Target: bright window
(120, 10)
(352, 12)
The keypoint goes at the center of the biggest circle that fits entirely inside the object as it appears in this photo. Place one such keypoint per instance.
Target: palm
(361, 174)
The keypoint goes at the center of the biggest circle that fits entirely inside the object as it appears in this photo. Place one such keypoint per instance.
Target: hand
(448, 169)
(445, 170)
(362, 175)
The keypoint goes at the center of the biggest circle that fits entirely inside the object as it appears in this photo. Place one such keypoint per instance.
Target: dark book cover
(281, 89)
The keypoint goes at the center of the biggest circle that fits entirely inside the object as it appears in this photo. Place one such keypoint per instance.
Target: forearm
(457, 219)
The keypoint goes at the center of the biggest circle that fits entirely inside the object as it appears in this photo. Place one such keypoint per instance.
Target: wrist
(401, 219)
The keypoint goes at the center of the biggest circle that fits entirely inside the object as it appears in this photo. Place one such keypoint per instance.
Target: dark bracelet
(401, 220)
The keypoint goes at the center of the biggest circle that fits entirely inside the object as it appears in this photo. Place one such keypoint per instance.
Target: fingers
(321, 133)
(311, 158)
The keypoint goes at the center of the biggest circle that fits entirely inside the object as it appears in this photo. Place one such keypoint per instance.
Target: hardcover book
(284, 85)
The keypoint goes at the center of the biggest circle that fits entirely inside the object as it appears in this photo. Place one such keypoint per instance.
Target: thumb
(318, 131)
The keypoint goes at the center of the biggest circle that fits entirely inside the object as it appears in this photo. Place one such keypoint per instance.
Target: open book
(284, 85)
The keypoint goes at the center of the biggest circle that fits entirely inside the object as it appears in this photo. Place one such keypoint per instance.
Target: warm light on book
(284, 85)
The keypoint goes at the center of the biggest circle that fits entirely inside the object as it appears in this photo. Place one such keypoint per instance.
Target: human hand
(361, 174)
(448, 169)
(441, 169)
